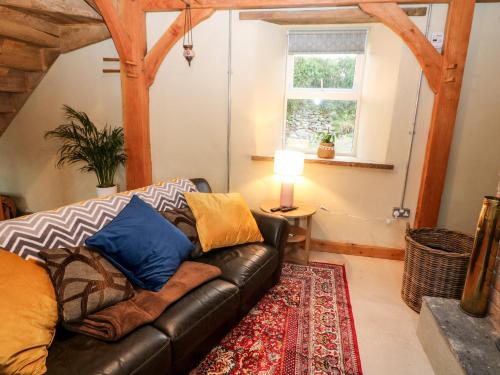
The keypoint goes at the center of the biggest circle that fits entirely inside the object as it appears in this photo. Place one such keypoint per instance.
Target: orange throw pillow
(222, 220)
(28, 315)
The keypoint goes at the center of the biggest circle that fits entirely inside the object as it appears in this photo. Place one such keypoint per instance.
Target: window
(324, 71)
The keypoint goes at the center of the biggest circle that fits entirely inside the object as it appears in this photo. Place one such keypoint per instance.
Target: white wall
(189, 104)
(27, 161)
(189, 116)
(359, 200)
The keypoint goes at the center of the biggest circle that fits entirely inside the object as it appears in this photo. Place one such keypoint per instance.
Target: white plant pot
(102, 192)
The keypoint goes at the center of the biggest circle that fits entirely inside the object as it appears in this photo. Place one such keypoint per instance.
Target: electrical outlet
(437, 39)
(400, 213)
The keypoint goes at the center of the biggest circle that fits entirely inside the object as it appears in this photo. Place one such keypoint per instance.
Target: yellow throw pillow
(222, 220)
(28, 315)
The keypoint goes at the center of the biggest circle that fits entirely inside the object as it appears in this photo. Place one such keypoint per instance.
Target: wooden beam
(444, 113)
(321, 17)
(398, 21)
(20, 56)
(121, 39)
(27, 19)
(25, 33)
(81, 35)
(165, 5)
(356, 249)
(173, 34)
(70, 11)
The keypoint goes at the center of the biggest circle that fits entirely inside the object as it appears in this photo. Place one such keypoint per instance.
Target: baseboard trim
(359, 250)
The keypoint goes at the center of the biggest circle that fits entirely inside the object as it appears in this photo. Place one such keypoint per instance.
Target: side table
(298, 235)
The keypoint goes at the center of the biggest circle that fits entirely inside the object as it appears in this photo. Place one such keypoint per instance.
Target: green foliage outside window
(324, 72)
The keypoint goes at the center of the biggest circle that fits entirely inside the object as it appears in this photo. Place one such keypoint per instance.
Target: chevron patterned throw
(71, 225)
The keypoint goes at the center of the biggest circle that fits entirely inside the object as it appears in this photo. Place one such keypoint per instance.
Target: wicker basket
(435, 264)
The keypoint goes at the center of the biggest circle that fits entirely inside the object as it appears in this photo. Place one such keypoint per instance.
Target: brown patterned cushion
(184, 220)
(84, 281)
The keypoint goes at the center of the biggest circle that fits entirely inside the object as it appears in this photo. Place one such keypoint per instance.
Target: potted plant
(101, 151)
(326, 148)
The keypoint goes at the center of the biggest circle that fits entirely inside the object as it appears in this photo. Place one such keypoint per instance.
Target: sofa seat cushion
(198, 315)
(239, 264)
(248, 266)
(144, 351)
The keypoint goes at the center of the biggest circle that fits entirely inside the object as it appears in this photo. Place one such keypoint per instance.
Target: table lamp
(288, 165)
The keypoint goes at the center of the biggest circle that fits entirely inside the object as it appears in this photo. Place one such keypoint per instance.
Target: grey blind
(325, 42)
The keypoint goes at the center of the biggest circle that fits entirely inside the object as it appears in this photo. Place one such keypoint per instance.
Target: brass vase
(482, 261)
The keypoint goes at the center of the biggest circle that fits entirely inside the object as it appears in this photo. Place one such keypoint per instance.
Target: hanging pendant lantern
(187, 40)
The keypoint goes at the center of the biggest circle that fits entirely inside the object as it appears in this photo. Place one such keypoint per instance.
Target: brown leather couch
(188, 329)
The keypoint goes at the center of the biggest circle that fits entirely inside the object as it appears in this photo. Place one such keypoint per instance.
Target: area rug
(304, 325)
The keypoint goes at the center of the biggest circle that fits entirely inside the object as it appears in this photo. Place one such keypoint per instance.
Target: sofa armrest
(275, 231)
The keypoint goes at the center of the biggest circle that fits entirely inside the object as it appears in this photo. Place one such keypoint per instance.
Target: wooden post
(138, 71)
(444, 113)
(135, 97)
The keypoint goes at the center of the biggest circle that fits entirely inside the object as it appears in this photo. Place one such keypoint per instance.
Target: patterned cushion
(183, 219)
(69, 226)
(84, 281)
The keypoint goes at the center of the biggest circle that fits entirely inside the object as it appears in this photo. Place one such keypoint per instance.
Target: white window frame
(353, 94)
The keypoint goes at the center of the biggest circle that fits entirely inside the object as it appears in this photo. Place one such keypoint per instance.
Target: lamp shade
(288, 163)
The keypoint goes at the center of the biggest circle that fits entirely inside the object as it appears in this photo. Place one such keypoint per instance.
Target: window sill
(343, 161)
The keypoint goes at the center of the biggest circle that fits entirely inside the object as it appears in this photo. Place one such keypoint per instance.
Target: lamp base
(286, 196)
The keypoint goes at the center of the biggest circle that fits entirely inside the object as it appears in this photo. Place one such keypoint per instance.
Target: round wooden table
(298, 235)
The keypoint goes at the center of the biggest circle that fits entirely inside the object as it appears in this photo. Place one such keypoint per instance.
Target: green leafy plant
(101, 151)
(326, 72)
(326, 137)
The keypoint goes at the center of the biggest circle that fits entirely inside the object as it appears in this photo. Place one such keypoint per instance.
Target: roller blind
(326, 42)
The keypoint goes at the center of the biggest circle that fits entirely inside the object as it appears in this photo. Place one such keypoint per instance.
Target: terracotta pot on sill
(326, 151)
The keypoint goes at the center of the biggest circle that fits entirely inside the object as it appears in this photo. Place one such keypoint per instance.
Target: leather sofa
(188, 329)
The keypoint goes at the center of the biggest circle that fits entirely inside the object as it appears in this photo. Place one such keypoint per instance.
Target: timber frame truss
(126, 21)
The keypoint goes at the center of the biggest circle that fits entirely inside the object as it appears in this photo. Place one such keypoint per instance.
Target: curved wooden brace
(120, 37)
(174, 33)
(398, 21)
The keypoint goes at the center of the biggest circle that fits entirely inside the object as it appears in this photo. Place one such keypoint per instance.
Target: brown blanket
(116, 321)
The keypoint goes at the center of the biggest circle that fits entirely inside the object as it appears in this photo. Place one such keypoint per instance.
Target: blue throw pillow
(142, 244)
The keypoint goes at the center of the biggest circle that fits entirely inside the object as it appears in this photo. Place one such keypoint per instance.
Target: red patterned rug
(304, 325)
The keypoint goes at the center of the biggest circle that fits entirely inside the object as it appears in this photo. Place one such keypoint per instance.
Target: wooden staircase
(33, 33)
